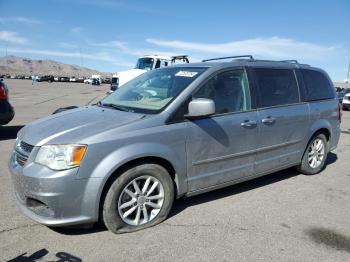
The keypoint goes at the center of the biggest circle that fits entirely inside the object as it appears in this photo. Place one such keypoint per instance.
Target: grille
(26, 147)
(20, 159)
(22, 152)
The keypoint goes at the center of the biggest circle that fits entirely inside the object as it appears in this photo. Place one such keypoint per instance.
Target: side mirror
(200, 107)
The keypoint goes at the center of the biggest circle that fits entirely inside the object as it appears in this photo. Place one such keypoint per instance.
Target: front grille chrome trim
(22, 152)
(26, 147)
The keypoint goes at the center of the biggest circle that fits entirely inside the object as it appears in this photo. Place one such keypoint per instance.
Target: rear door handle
(249, 123)
(268, 120)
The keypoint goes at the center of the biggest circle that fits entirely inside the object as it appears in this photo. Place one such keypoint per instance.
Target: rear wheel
(141, 197)
(315, 155)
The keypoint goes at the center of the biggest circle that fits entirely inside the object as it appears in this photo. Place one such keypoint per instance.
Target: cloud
(126, 49)
(110, 44)
(98, 56)
(12, 37)
(20, 19)
(76, 30)
(270, 47)
(67, 45)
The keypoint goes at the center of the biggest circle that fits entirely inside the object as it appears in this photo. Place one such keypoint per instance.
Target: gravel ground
(284, 216)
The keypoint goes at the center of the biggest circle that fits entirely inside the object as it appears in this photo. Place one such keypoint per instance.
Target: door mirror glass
(201, 107)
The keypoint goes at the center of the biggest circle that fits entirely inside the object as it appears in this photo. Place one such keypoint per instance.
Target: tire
(309, 167)
(119, 194)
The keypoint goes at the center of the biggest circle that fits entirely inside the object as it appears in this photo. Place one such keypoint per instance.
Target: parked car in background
(346, 100)
(80, 80)
(106, 80)
(46, 78)
(88, 81)
(95, 81)
(144, 64)
(172, 132)
(6, 110)
(341, 93)
(63, 79)
(72, 79)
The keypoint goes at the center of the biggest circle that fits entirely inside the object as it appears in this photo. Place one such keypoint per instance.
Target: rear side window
(317, 85)
(276, 87)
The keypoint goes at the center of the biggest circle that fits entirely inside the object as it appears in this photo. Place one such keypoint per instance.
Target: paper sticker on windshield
(186, 73)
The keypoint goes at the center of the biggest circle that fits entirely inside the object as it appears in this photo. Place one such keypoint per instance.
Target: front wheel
(315, 155)
(141, 197)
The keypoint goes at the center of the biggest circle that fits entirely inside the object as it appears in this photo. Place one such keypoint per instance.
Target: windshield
(152, 91)
(114, 80)
(145, 63)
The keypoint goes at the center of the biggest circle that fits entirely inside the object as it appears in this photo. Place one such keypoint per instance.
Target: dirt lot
(280, 217)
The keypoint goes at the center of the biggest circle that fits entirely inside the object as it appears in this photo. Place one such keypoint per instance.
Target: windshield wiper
(114, 106)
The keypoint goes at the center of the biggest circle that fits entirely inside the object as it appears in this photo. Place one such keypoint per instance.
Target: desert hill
(14, 65)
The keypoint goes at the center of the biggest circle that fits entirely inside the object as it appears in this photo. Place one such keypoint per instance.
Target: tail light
(340, 112)
(3, 93)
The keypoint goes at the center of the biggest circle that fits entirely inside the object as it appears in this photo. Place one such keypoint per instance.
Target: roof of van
(246, 62)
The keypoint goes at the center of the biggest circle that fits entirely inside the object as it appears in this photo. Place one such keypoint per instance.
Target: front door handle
(268, 120)
(249, 123)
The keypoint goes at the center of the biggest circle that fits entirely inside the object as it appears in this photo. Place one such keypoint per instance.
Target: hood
(126, 76)
(74, 125)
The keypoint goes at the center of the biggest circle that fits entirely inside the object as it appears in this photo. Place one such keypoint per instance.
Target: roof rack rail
(184, 58)
(290, 61)
(227, 57)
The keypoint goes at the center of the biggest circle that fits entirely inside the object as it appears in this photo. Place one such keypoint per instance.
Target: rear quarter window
(317, 85)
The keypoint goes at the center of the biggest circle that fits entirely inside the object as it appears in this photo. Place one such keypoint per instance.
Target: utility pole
(347, 77)
(81, 62)
(7, 65)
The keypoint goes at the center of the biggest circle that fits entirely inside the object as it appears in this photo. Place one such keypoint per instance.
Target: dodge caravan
(172, 132)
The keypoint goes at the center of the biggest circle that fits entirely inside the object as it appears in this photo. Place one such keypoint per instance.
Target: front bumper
(54, 198)
(346, 105)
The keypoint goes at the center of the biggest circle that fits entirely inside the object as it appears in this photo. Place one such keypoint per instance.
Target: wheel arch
(317, 129)
(132, 163)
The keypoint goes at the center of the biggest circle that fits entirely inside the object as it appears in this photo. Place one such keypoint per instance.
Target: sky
(110, 35)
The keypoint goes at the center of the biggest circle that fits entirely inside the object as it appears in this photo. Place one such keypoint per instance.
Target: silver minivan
(173, 132)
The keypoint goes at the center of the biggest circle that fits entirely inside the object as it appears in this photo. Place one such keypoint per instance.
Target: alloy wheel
(316, 153)
(141, 200)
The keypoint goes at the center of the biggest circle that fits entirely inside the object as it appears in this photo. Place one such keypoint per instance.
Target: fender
(135, 151)
(317, 125)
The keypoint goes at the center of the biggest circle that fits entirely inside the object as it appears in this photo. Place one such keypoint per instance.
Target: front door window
(229, 90)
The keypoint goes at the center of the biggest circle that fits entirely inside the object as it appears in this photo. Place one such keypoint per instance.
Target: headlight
(60, 157)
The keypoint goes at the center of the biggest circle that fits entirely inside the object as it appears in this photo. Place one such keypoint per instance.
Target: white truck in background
(90, 80)
(144, 64)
